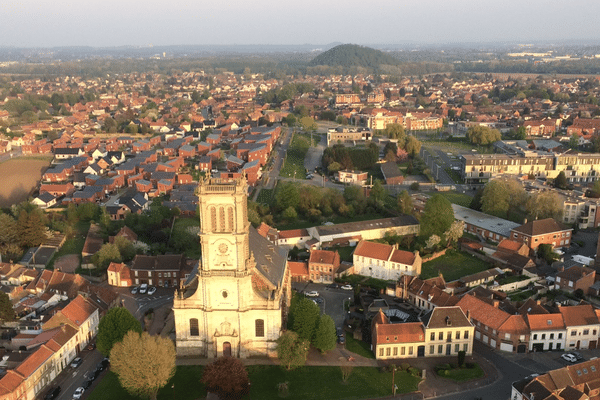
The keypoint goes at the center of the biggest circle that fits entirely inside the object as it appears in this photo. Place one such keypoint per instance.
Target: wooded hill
(352, 55)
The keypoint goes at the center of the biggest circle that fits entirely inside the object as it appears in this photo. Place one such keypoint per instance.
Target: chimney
(469, 315)
(496, 303)
(539, 302)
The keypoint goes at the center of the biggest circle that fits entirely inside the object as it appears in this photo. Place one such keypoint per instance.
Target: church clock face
(222, 255)
(223, 248)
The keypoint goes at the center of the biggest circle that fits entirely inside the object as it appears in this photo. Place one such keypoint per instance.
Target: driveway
(333, 300)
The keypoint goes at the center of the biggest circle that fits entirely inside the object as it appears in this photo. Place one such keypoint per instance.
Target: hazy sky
(47, 23)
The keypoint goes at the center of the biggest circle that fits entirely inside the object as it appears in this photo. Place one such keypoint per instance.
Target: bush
(470, 365)
(414, 372)
(405, 366)
(414, 186)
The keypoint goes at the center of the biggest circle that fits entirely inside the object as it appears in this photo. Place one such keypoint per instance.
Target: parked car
(76, 362)
(151, 290)
(91, 346)
(143, 288)
(134, 290)
(78, 392)
(569, 357)
(347, 287)
(312, 293)
(333, 286)
(577, 355)
(318, 300)
(88, 382)
(341, 339)
(52, 393)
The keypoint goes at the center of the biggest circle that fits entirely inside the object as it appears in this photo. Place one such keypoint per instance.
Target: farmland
(19, 177)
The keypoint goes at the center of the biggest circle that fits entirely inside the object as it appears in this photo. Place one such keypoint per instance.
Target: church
(235, 301)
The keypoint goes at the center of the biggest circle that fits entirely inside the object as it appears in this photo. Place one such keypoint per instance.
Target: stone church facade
(235, 302)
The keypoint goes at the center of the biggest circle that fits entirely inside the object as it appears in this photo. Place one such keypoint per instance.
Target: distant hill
(352, 55)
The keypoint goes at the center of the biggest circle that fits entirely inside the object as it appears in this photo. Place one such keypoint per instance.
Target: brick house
(299, 271)
(162, 270)
(575, 277)
(546, 231)
(322, 265)
(383, 261)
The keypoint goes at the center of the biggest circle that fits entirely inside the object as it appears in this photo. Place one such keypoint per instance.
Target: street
(72, 378)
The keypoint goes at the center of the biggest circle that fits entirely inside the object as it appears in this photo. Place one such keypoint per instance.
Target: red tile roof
(298, 268)
(541, 322)
(78, 310)
(482, 311)
(408, 332)
(540, 227)
(373, 250)
(293, 233)
(579, 315)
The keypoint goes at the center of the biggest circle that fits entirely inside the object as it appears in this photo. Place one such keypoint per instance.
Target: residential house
(582, 327)
(354, 177)
(548, 231)
(323, 265)
(383, 261)
(547, 331)
(162, 270)
(574, 278)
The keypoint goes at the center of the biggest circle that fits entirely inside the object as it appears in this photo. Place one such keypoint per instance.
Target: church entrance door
(226, 349)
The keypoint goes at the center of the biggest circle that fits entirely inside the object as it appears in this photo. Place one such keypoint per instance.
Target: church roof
(270, 259)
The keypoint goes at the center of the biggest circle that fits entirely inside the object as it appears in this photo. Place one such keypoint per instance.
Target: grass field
(453, 265)
(294, 161)
(306, 383)
(462, 374)
(461, 199)
(19, 177)
(266, 196)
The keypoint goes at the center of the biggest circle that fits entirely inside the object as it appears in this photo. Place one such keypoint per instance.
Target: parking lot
(333, 300)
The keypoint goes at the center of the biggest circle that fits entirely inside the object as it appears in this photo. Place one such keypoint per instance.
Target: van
(143, 288)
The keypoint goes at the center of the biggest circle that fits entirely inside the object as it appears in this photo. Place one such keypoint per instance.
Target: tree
(113, 327)
(108, 253)
(412, 146)
(560, 181)
(126, 248)
(546, 252)
(8, 230)
(287, 196)
(325, 336)
(334, 167)
(227, 377)
(461, 358)
(405, 203)
(455, 231)
(395, 131)
(432, 241)
(306, 317)
(292, 350)
(545, 205)
(7, 312)
(378, 193)
(290, 214)
(308, 124)
(501, 195)
(483, 135)
(437, 216)
(31, 228)
(143, 363)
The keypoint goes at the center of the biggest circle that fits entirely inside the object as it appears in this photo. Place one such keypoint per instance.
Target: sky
(107, 23)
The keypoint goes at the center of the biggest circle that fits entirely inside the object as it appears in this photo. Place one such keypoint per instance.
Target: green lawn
(462, 374)
(73, 245)
(454, 197)
(453, 265)
(294, 160)
(359, 347)
(345, 252)
(305, 383)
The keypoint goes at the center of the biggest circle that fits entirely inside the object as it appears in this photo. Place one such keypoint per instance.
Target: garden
(453, 265)
(293, 166)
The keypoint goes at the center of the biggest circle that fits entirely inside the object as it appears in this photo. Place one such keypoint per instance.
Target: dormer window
(549, 322)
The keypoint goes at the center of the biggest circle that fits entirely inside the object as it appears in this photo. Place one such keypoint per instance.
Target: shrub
(470, 365)
(414, 372)
(405, 366)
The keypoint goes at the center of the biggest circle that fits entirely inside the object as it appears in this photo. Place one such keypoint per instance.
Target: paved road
(333, 300)
(70, 379)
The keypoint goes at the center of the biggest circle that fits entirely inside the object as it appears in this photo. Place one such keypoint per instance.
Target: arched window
(259, 325)
(194, 331)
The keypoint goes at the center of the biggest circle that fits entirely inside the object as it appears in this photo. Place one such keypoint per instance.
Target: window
(160, 274)
(466, 335)
(458, 334)
(441, 336)
(552, 336)
(543, 336)
(432, 336)
(395, 351)
(388, 351)
(431, 349)
(259, 327)
(194, 330)
(410, 351)
(440, 349)
(560, 335)
(557, 279)
(466, 347)
(507, 336)
(586, 331)
(381, 352)
(402, 350)
(535, 336)
(573, 333)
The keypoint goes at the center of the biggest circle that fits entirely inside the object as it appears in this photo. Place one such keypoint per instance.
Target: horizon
(66, 23)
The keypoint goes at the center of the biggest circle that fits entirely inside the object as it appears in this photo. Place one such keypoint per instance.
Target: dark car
(52, 393)
(86, 385)
(333, 286)
(91, 346)
(577, 355)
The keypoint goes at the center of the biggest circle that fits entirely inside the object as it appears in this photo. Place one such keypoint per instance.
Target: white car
(151, 290)
(134, 290)
(347, 287)
(312, 293)
(569, 357)
(143, 288)
(78, 392)
(76, 362)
